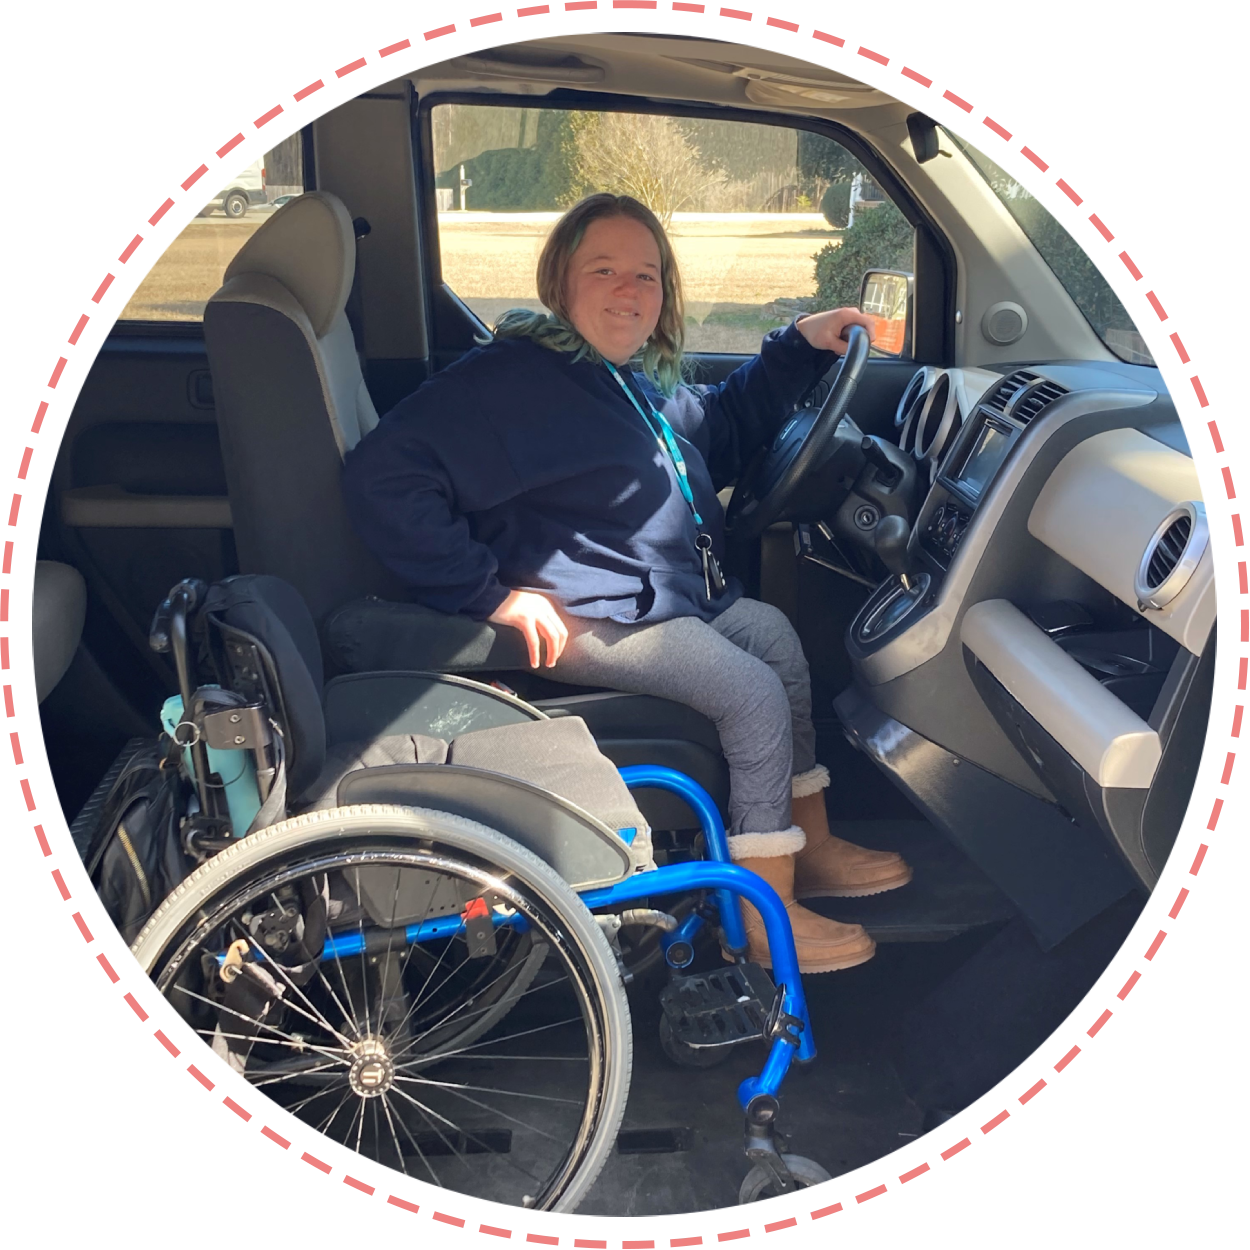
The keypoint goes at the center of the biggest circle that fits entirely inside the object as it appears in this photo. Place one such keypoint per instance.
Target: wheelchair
(424, 964)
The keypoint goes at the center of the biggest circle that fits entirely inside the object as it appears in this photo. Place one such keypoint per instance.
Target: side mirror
(886, 296)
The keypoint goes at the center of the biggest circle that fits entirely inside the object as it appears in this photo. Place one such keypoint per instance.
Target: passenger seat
(60, 610)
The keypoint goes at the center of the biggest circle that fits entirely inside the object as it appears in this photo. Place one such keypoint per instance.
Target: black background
(108, 1130)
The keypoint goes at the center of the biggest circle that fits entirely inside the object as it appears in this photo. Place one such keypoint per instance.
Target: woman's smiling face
(614, 290)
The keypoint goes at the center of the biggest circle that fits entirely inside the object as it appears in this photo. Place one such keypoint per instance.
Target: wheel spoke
(486, 1089)
(412, 946)
(359, 1121)
(490, 1041)
(316, 1017)
(429, 1111)
(304, 1101)
(271, 1041)
(291, 1076)
(289, 1037)
(347, 993)
(364, 969)
(417, 1145)
(390, 1123)
(480, 1011)
(456, 1093)
(348, 1016)
(418, 997)
(324, 1126)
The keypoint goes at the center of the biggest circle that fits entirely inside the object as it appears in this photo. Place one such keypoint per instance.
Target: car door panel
(138, 497)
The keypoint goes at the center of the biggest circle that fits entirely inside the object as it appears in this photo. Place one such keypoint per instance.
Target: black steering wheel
(772, 484)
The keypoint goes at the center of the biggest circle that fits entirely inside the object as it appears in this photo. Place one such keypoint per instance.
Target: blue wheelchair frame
(727, 882)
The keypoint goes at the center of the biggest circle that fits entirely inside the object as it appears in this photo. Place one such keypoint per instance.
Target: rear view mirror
(923, 133)
(886, 296)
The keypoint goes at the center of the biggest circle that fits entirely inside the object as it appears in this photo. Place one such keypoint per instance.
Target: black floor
(849, 1107)
(946, 896)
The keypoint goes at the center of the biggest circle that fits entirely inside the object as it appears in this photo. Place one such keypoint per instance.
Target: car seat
(291, 401)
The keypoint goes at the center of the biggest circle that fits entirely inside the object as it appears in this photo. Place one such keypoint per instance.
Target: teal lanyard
(667, 440)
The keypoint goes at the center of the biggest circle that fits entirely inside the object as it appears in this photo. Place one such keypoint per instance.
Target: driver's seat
(291, 401)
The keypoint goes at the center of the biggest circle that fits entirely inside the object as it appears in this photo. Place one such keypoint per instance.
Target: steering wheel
(772, 483)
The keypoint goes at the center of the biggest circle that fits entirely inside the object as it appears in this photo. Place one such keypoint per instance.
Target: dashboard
(1054, 630)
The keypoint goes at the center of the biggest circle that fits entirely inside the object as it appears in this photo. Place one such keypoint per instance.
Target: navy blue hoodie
(516, 468)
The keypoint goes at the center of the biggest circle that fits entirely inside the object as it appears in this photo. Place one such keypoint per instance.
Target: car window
(766, 221)
(191, 268)
(1089, 290)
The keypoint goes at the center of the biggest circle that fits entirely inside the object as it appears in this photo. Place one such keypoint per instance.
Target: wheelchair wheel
(324, 959)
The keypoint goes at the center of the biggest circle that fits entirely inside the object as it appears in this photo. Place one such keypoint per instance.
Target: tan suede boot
(829, 867)
(822, 945)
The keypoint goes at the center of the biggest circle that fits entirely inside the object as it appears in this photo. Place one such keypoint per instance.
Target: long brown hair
(662, 353)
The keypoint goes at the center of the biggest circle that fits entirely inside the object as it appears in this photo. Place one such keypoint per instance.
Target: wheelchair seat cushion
(350, 757)
(556, 755)
(542, 783)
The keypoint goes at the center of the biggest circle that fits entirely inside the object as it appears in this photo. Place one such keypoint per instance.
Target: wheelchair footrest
(721, 1008)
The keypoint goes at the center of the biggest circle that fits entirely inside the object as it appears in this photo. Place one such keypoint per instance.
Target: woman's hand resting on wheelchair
(536, 617)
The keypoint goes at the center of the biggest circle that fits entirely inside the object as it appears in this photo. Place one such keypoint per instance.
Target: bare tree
(646, 156)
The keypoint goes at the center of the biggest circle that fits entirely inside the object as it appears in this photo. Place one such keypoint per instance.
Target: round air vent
(1171, 556)
(933, 423)
(1004, 323)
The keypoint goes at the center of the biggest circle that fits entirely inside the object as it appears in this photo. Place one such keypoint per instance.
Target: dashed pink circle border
(248, 1117)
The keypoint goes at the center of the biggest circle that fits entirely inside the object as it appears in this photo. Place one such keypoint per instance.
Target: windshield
(1080, 277)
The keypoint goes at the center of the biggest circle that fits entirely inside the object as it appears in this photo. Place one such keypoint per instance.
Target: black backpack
(129, 834)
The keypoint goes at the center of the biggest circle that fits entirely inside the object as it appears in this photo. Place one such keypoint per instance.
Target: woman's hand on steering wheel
(536, 617)
(829, 331)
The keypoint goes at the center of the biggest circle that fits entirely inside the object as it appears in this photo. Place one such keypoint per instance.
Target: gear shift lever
(890, 541)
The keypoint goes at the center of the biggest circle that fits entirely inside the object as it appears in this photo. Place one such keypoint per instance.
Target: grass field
(732, 266)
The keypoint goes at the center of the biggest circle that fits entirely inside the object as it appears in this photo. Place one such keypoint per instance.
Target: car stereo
(970, 467)
(981, 460)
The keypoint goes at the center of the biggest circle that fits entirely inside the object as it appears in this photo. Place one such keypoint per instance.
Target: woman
(542, 484)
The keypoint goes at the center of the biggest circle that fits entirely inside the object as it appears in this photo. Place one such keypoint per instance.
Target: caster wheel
(759, 1184)
(690, 1056)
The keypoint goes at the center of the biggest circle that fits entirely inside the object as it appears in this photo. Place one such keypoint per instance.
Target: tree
(649, 157)
(521, 179)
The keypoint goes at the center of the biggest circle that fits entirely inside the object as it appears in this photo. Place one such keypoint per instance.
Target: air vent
(1007, 388)
(1034, 400)
(1171, 556)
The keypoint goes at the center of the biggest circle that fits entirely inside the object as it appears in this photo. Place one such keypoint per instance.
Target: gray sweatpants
(745, 671)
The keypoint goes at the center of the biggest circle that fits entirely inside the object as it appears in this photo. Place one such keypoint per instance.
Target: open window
(768, 221)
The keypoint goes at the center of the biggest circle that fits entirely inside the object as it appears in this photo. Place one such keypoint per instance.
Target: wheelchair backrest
(264, 646)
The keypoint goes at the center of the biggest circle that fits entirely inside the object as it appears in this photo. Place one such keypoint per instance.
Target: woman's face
(613, 289)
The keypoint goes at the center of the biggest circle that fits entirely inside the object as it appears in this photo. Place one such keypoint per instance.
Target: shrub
(881, 238)
(835, 204)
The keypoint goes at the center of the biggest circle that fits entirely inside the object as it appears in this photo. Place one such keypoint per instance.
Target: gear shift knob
(890, 540)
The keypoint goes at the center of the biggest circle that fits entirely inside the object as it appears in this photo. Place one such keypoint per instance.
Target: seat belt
(355, 318)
